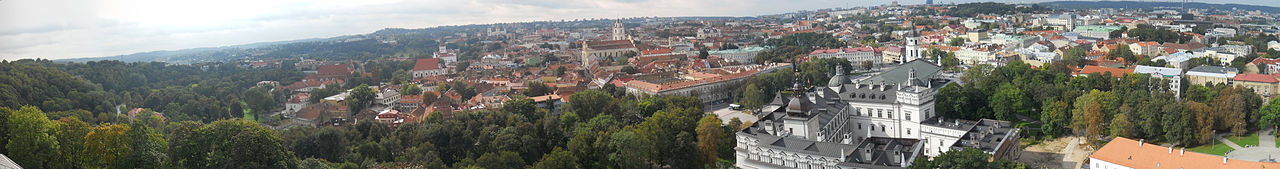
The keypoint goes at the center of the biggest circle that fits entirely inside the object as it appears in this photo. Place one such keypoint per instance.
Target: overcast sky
(57, 29)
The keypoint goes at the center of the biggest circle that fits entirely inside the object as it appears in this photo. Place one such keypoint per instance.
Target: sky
(59, 29)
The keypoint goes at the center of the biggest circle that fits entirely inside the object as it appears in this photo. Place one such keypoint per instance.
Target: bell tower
(619, 33)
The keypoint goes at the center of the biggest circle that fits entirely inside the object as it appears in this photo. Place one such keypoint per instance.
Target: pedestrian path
(1229, 143)
(1266, 138)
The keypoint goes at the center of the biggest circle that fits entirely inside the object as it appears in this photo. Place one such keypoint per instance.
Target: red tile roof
(1115, 72)
(656, 51)
(427, 64)
(334, 70)
(1135, 154)
(1265, 61)
(1255, 78)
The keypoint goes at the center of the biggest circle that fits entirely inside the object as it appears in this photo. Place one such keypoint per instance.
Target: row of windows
(864, 95)
(872, 126)
(880, 113)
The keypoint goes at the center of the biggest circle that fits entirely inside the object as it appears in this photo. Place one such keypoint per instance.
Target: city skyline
(120, 27)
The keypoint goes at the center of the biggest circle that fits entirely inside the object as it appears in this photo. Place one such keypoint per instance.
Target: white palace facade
(882, 121)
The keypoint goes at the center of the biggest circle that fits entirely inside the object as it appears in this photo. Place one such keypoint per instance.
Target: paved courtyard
(726, 115)
(1266, 150)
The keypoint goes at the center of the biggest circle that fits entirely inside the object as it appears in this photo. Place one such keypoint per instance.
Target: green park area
(1217, 148)
(1245, 141)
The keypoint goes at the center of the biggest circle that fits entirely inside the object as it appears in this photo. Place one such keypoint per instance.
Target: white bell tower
(619, 33)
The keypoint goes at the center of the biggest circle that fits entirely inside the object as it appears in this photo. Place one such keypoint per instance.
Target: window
(908, 116)
(881, 127)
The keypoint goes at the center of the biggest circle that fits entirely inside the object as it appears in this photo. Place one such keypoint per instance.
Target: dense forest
(598, 129)
(93, 90)
(1100, 105)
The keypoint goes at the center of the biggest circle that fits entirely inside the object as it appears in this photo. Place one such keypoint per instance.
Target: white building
(1217, 53)
(853, 55)
(970, 56)
(428, 67)
(740, 55)
(912, 51)
(1172, 75)
(893, 110)
(619, 32)
(1177, 60)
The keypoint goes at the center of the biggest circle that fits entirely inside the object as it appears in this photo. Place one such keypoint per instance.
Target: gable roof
(1136, 154)
(1255, 78)
(1115, 72)
(1213, 69)
(427, 64)
(334, 70)
(899, 74)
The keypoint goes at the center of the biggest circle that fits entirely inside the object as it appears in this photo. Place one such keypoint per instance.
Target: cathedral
(880, 121)
(594, 51)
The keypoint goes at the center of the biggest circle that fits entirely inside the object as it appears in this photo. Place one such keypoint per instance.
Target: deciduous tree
(709, 134)
(31, 139)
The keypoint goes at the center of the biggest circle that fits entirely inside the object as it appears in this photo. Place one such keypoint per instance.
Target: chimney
(866, 155)
(895, 157)
(842, 155)
(903, 161)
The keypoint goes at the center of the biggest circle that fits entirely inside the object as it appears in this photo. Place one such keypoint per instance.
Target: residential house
(1114, 72)
(1177, 60)
(1096, 31)
(1171, 75)
(1264, 85)
(1149, 48)
(1263, 66)
(1201, 75)
(854, 55)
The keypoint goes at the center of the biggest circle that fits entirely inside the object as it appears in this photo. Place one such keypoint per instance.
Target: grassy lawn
(1215, 149)
(1247, 140)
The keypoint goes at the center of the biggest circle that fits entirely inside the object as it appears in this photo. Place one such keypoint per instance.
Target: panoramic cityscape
(754, 85)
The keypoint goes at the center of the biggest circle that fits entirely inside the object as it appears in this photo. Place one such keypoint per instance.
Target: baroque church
(594, 51)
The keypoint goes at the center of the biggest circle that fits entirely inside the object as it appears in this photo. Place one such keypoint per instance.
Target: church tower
(619, 33)
(913, 50)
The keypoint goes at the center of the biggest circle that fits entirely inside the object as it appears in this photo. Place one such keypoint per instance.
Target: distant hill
(193, 55)
(409, 43)
(1153, 5)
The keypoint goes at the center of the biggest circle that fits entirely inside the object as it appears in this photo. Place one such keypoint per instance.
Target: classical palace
(881, 121)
